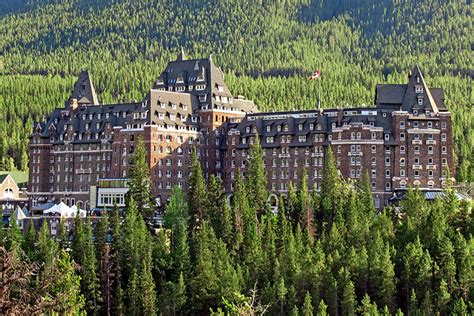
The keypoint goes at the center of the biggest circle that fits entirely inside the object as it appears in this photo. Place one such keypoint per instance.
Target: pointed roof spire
(411, 95)
(84, 91)
(181, 55)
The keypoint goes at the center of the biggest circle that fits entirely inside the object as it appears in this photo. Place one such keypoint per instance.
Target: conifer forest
(317, 253)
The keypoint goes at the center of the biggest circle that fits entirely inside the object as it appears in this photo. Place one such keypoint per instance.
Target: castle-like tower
(81, 152)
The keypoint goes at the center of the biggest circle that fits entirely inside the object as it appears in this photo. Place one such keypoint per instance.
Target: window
(402, 125)
(417, 161)
(443, 150)
(402, 136)
(444, 161)
(387, 161)
(387, 136)
(270, 140)
(402, 172)
(417, 149)
(387, 186)
(443, 137)
(402, 149)
(430, 124)
(443, 125)
(430, 150)
(402, 161)
(387, 173)
(374, 148)
(300, 127)
(415, 112)
(419, 89)
(374, 173)
(420, 101)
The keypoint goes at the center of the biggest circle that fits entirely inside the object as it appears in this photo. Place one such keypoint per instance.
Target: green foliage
(140, 181)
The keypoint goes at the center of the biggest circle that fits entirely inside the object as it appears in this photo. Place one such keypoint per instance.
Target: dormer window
(180, 79)
(285, 128)
(202, 98)
(311, 126)
(136, 116)
(269, 128)
(415, 112)
(427, 113)
(247, 129)
(300, 127)
(419, 89)
(415, 124)
(420, 101)
(201, 75)
(387, 136)
(87, 126)
(91, 116)
(279, 128)
(384, 114)
(97, 126)
(417, 79)
(124, 114)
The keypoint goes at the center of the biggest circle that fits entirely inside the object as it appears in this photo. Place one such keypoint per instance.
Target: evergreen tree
(307, 306)
(281, 294)
(349, 302)
(256, 178)
(331, 187)
(197, 192)
(89, 280)
(177, 211)
(305, 209)
(140, 181)
(29, 241)
(47, 249)
(322, 309)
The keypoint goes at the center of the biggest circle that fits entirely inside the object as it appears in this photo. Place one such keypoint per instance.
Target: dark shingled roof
(84, 91)
(390, 93)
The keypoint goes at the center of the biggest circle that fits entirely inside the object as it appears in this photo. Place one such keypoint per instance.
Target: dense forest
(321, 254)
(267, 49)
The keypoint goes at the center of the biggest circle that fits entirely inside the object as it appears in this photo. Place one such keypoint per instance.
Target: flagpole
(319, 93)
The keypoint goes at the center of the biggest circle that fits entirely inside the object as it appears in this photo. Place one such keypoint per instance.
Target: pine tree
(307, 306)
(331, 187)
(197, 192)
(215, 202)
(281, 291)
(241, 210)
(322, 309)
(349, 302)
(256, 178)
(306, 216)
(46, 249)
(177, 210)
(140, 181)
(29, 241)
(89, 280)
(180, 255)
(459, 307)
(117, 290)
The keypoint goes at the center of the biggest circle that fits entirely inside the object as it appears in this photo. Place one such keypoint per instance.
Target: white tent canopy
(64, 211)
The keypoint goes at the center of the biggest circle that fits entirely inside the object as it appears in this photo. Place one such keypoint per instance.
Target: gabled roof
(84, 91)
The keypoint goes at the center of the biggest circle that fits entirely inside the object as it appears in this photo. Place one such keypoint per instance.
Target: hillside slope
(267, 49)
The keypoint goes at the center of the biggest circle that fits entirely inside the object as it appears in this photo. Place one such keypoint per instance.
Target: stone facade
(404, 140)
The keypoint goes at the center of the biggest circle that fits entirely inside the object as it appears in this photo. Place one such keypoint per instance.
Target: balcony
(416, 142)
(355, 153)
(431, 167)
(84, 171)
(417, 167)
(431, 142)
(317, 154)
(284, 156)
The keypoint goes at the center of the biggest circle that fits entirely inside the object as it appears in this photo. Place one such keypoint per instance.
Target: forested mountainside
(266, 48)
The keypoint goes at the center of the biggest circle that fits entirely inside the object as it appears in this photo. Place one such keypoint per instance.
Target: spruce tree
(256, 178)
(305, 216)
(322, 309)
(331, 187)
(197, 195)
(349, 302)
(307, 306)
(140, 181)
(29, 241)
(46, 249)
(89, 279)
(177, 210)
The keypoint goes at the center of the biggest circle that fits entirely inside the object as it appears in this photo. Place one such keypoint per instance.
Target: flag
(316, 74)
